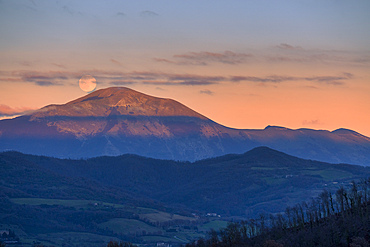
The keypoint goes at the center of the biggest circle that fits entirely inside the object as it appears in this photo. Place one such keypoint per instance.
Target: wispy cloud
(44, 79)
(151, 78)
(285, 46)
(121, 83)
(270, 79)
(311, 122)
(329, 80)
(289, 53)
(115, 62)
(205, 58)
(148, 13)
(25, 63)
(6, 111)
(282, 53)
(59, 65)
(206, 91)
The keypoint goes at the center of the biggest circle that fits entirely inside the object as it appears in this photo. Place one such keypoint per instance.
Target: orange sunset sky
(244, 64)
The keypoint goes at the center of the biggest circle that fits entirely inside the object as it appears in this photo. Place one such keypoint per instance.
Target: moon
(87, 83)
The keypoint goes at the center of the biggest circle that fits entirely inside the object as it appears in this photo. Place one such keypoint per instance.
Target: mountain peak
(118, 101)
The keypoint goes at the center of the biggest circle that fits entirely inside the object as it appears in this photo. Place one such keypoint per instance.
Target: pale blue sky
(335, 24)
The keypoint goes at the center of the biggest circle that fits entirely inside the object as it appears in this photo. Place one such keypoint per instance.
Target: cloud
(205, 57)
(148, 13)
(181, 83)
(25, 63)
(272, 78)
(121, 83)
(285, 46)
(206, 91)
(110, 77)
(311, 122)
(329, 80)
(121, 14)
(68, 10)
(44, 79)
(49, 78)
(59, 65)
(289, 53)
(283, 53)
(165, 79)
(7, 111)
(115, 62)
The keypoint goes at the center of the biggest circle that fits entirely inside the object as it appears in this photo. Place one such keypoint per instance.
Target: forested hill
(261, 180)
(334, 219)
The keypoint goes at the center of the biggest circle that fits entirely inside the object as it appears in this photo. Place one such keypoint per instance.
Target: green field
(128, 226)
(215, 225)
(163, 217)
(330, 174)
(66, 203)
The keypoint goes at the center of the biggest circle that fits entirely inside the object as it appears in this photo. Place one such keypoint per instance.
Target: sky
(243, 63)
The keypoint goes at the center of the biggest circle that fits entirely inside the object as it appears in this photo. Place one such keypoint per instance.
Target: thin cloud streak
(148, 13)
(329, 80)
(311, 122)
(285, 46)
(206, 91)
(283, 53)
(205, 58)
(115, 62)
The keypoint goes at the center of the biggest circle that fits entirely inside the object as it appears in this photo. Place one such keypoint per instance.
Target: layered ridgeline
(119, 120)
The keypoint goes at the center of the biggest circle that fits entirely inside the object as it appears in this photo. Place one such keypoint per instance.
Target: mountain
(119, 120)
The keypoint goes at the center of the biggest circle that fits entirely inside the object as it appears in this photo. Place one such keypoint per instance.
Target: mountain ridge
(119, 120)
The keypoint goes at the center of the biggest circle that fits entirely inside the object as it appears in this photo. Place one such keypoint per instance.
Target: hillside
(141, 199)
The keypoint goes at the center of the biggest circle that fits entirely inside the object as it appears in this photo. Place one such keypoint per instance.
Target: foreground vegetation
(333, 219)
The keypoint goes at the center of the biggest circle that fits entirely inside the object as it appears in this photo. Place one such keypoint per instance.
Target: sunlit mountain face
(119, 120)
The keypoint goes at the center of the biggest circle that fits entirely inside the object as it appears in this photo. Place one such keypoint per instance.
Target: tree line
(338, 218)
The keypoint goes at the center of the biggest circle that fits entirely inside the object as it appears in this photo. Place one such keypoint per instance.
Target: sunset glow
(243, 64)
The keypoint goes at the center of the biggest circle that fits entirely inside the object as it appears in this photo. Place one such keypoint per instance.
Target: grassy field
(127, 226)
(78, 238)
(215, 225)
(66, 203)
(163, 217)
(330, 174)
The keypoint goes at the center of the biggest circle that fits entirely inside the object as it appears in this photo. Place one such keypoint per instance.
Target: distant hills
(261, 180)
(119, 120)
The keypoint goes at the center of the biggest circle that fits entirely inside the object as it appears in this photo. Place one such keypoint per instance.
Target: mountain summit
(119, 120)
(118, 101)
